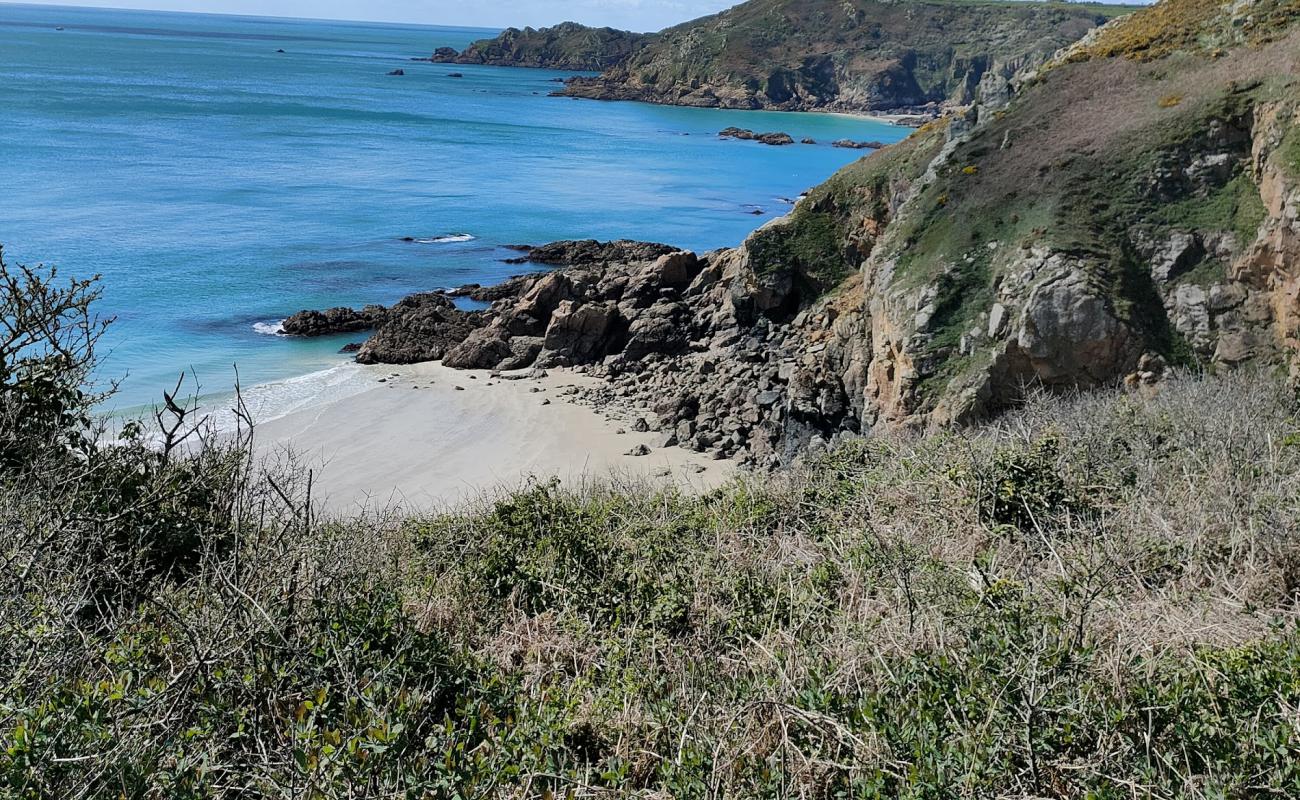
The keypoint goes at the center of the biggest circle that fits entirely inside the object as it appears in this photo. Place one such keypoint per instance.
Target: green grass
(1290, 152)
(1235, 207)
(810, 249)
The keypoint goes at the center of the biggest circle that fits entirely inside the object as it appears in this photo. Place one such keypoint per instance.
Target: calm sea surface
(218, 185)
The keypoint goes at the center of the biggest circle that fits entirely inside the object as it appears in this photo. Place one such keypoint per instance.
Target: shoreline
(463, 435)
(895, 119)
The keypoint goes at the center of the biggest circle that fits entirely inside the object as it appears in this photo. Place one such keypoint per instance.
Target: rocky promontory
(567, 46)
(875, 56)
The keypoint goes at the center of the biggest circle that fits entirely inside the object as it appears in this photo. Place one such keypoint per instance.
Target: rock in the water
(856, 145)
(398, 72)
(589, 252)
(775, 138)
(334, 320)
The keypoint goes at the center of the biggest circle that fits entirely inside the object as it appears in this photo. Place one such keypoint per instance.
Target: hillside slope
(860, 55)
(1135, 203)
(567, 46)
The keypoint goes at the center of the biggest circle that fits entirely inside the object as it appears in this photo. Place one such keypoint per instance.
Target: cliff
(567, 46)
(860, 55)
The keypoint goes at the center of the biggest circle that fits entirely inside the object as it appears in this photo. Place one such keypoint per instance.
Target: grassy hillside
(863, 55)
(1093, 598)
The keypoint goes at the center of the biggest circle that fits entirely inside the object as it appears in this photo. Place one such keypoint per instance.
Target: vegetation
(1174, 26)
(1094, 598)
(861, 54)
(567, 46)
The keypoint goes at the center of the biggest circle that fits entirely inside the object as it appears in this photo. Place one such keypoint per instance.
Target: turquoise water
(219, 186)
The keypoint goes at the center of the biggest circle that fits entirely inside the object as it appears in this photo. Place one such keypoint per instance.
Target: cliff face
(1134, 205)
(567, 46)
(848, 55)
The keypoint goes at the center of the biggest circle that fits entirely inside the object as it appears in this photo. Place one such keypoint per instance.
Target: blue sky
(629, 14)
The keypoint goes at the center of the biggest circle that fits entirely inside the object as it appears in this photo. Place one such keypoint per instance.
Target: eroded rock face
(1070, 336)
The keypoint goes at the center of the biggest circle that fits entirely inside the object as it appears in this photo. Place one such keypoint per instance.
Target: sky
(637, 15)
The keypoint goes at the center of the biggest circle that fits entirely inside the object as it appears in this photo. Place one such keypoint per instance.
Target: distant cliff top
(564, 46)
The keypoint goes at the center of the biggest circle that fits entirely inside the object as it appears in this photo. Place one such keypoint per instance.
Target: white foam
(274, 328)
(268, 401)
(450, 238)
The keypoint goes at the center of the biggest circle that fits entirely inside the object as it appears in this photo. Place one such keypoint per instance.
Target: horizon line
(235, 15)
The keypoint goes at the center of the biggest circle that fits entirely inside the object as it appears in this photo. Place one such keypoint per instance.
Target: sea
(219, 173)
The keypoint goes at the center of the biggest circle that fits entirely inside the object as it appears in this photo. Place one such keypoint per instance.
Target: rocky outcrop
(589, 252)
(422, 327)
(853, 144)
(567, 46)
(845, 55)
(334, 320)
(775, 138)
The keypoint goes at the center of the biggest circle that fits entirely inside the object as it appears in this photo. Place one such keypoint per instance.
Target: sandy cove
(438, 446)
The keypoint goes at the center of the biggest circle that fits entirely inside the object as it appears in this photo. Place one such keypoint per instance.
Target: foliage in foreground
(1094, 598)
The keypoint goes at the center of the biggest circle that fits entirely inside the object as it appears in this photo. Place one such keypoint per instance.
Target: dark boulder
(773, 138)
(334, 320)
(589, 252)
(422, 327)
(662, 328)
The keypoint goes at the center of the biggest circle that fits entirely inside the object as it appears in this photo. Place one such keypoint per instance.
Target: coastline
(898, 119)
(436, 447)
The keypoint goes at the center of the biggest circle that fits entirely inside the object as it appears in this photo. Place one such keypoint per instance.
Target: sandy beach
(437, 446)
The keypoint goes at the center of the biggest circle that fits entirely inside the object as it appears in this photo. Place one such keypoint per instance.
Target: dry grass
(1203, 26)
(1095, 597)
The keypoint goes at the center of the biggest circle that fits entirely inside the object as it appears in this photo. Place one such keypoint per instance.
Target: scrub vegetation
(1093, 597)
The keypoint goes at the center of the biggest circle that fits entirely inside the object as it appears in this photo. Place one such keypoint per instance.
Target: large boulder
(577, 334)
(484, 348)
(422, 327)
(1071, 336)
(662, 328)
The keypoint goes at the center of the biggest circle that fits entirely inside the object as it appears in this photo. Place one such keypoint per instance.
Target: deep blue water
(216, 184)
